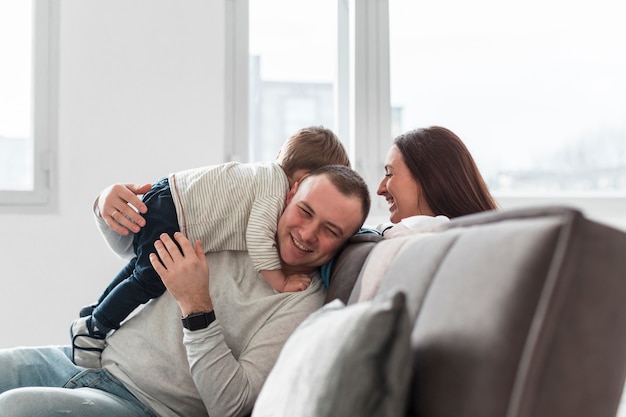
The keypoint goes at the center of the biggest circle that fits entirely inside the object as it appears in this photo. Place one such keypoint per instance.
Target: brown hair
(311, 148)
(441, 163)
(349, 183)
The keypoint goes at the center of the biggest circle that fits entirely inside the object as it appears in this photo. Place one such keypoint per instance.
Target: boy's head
(309, 149)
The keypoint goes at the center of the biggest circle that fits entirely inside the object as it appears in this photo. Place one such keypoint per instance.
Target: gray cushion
(343, 362)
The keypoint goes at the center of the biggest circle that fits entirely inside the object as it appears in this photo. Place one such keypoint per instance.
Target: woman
(430, 177)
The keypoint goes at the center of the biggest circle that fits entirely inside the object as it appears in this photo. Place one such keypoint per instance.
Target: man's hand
(118, 204)
(185, 274)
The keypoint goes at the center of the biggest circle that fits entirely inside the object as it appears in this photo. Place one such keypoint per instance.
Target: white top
(412, 225)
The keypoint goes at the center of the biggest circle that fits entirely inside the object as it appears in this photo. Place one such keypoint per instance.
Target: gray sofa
(513, 313)
(518, 313)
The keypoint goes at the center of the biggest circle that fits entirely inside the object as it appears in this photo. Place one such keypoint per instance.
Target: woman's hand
(184, 271)
(118, 206)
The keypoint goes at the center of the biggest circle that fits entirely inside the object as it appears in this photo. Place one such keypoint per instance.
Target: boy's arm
(275, 278)
(297, 282)
(261, 232)
(281, 283)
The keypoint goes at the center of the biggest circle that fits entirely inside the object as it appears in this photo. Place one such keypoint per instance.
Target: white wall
(141, 94)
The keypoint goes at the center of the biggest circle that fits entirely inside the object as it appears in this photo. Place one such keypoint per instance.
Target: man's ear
(292, 192)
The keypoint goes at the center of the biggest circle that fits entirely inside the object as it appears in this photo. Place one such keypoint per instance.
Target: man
(236, 323)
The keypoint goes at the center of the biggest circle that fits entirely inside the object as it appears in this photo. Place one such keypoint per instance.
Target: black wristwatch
(197, 321)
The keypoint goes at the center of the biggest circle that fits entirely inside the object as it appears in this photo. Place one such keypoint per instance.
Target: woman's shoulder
(413, 224)
(424, 222)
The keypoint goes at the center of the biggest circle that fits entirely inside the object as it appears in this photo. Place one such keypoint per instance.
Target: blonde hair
(312, 148)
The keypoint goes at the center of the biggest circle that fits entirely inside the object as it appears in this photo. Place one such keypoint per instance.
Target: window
(537, 90)
(319, 63)
(28, 42)
(293, 66)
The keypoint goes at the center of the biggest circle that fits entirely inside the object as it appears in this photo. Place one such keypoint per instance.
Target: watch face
(198, 321)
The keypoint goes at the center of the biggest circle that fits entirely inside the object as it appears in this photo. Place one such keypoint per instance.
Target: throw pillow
(343, 361)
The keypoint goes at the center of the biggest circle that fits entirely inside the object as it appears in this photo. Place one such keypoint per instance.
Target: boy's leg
(128, 292)
(121, 276)
(143, 283)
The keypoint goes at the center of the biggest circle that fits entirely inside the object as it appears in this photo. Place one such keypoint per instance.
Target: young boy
(231, 206)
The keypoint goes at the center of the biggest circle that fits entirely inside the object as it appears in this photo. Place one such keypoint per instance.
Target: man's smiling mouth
(299, 245)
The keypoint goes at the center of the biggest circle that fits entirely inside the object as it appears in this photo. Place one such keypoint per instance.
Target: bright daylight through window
(536, 89)
(293, 61)
(16, 133)
(28, 103)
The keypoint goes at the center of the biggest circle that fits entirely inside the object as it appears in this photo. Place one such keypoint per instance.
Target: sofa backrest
(515, 313)
(348, 264)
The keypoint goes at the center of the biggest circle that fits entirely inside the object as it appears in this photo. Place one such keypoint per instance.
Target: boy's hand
(297, 282)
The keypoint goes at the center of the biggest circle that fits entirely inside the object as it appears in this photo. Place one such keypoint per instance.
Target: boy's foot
(87, 310)
(87, 347)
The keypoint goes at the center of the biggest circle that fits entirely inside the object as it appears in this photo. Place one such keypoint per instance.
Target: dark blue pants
(138, 282)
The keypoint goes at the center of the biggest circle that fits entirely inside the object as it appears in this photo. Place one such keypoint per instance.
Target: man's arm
(238, 382)
(227, 385)
(186, 276)
(118, 205)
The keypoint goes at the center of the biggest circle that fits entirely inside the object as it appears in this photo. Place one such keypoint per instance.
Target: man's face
(317, 221)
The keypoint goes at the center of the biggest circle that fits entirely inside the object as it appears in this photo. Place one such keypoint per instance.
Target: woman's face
(400, 189)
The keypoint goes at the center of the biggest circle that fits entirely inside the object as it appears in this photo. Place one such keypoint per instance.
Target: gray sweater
(217, 371)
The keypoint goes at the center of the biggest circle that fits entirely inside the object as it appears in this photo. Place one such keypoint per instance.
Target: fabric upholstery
(347, 266)
(517, 313)
(343, 362)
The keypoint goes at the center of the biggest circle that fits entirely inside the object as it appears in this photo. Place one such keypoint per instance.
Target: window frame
(236, 126)
(367, 94)
(45, 110)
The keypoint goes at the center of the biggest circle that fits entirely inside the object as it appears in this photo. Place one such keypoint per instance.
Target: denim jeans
(37, 382)
(138, 282)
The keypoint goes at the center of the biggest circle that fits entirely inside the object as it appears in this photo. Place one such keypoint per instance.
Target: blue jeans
(37, 382)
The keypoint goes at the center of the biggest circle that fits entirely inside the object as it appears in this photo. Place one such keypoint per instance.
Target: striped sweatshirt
(233, 206)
